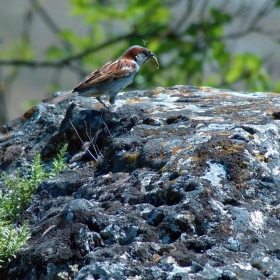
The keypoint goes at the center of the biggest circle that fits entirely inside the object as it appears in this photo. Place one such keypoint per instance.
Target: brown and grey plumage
(111, 78)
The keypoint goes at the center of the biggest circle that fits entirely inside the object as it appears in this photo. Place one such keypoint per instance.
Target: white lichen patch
(245, 266)
(257, 221)
(215, 173)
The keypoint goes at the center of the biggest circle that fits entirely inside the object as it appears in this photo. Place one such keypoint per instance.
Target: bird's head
(140, 55)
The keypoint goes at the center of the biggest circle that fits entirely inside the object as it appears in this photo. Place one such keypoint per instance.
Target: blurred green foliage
(185, 47)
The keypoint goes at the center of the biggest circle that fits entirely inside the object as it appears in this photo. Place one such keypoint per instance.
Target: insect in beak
(154, 58)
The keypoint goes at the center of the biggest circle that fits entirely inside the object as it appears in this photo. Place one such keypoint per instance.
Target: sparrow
(111, 78)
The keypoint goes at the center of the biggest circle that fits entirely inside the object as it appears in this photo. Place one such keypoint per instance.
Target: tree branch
(67, 61)
(36, 6)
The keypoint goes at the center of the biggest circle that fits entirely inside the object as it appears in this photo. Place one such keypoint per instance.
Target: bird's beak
(154, 58)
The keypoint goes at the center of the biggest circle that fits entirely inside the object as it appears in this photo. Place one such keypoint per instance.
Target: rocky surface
(175, 183)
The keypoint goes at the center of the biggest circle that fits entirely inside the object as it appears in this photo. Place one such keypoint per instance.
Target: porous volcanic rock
(171, 183)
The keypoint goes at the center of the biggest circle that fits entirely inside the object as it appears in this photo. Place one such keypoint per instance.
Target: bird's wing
(111, 71)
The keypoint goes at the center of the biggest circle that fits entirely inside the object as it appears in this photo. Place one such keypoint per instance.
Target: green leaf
(54, 52)
(220, 17)
(277, 86)
(12, 239)
(235, 69)
(220, 54)
(277, 3)
(69, 35)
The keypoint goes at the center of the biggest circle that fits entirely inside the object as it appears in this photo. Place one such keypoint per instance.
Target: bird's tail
(54, 100)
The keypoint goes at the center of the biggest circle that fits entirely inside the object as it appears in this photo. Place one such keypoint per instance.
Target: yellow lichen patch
(235, 148)
(156, 258)
(131, 158)
(172, 169)
(157, 91)
(154, 109)
(268, 160)
(260, 157)
(244, 165)
(206, 89)
(181, 172)
(226, 228)
(223, 133)
(264, 158)
(164, 169)
(136, 100)
(226, 148)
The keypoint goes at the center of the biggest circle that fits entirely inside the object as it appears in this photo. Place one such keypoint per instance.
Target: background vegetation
(195, 41)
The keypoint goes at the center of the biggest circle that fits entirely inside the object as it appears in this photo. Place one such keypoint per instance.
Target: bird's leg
(112, 99)
(99, 99)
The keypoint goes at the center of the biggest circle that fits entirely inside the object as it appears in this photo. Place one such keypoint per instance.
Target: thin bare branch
(49, 22)
(68, 60)
(203, 9)
(252, 25)
(82, 141)
(7, 81)
(189, 9)
(93, 140)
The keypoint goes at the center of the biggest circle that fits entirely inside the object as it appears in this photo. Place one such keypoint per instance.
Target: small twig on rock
(95, 158)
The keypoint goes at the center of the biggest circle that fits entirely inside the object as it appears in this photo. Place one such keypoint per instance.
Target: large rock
(175, 183)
